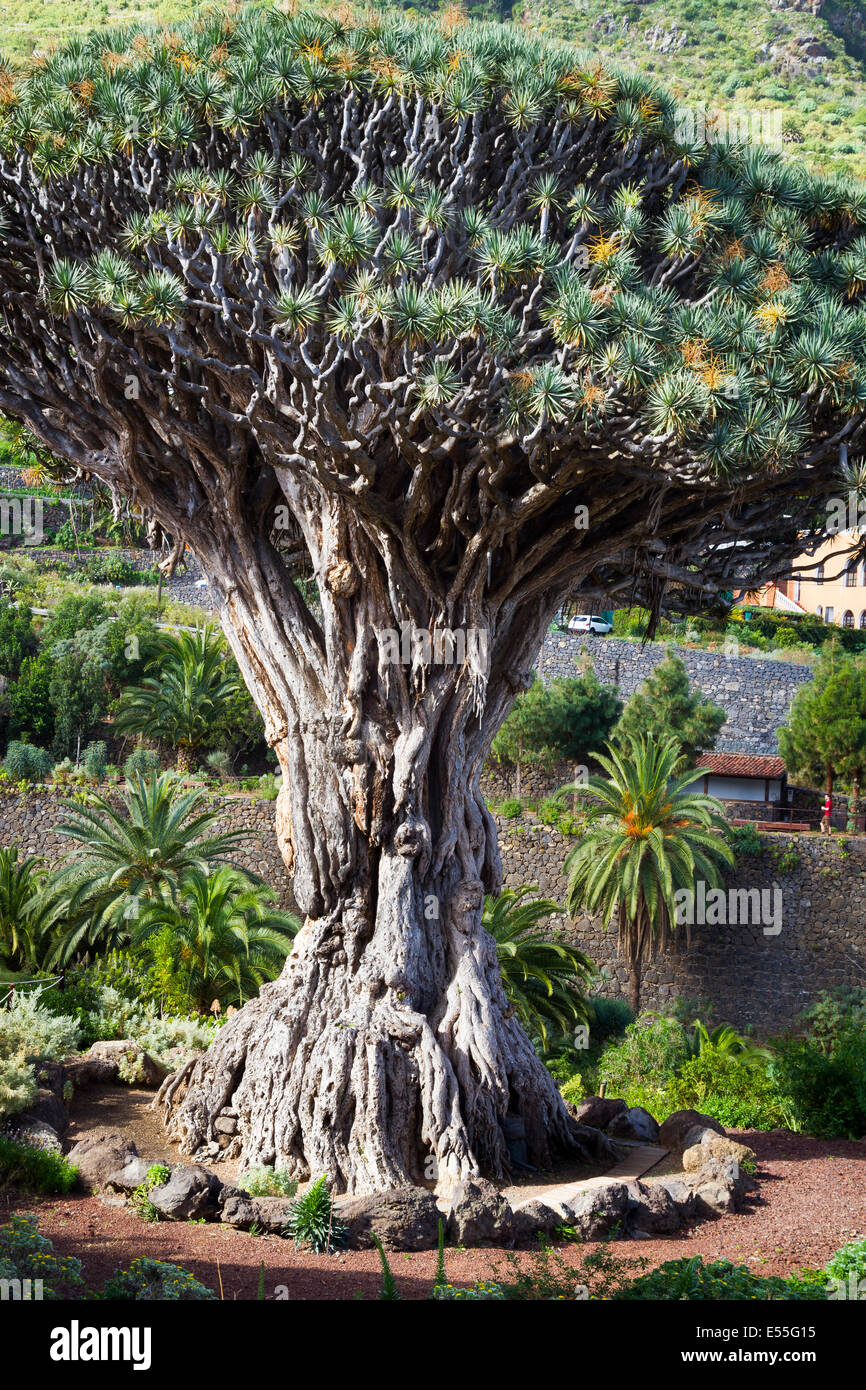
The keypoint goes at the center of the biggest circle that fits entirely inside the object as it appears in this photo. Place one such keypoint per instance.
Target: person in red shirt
(828, 811)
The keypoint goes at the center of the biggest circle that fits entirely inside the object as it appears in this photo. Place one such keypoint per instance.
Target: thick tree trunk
(386, 1052)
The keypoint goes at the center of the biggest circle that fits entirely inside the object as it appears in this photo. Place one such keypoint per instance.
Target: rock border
(715, 1180)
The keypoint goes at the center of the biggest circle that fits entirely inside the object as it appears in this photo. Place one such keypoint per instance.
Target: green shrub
(733, 1089)
(268, 787)
(142, 761)
(485, 1290)
(17, 1078)
(312, 1221)
(610, 1018)
(850, 1259)
(719, 1281)
(825, 1090)
(156, 1175)
(26, 1025)
(511, 809)
(122, 1017)
(95, 761)
(154, 1281)
(115, 569)
(834, 1012)
(630, 622)
(219, 762)
(66, 536)
(26, 763)
(32, 1168)
(744, 839)
(573, 1090)
(269, 1182)
(25, 1254)
(638, 1067)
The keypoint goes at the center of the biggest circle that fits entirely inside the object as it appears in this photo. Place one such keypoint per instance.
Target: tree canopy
(568, 718)
(360, 252)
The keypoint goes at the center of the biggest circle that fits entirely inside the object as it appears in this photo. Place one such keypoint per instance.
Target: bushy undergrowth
(27, 1025)
(849, 1260)
(268, 1182)
(17, 1078)
(825, 1089)
(25, 1254)
(812, 1081)
(26, 763)
(155, 1281)
(32, 1168)
(719, 1281)
(738, 1094)
(111, 1001)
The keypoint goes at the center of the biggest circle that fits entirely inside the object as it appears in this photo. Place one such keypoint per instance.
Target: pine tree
(568, 718)
(825, 736)
(666, 703)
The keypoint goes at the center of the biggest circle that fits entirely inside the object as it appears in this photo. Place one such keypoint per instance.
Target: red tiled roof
(741, 765)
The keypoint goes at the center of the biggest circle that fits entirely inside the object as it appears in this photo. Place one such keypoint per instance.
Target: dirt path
(129, 1108)
(812, 1199)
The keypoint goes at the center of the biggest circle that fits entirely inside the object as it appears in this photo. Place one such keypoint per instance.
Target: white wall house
(742, 777)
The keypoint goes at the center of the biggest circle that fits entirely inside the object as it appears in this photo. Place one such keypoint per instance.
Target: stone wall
(31, 822)
(756, 694)
(753, 978)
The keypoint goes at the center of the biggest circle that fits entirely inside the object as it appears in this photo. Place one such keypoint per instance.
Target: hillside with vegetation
(798, 65)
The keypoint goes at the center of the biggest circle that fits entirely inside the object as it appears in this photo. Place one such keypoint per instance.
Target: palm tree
(185, 698)
(541, 978)
(126, 859)
(225, 938)
(654, 838)
(20, 923)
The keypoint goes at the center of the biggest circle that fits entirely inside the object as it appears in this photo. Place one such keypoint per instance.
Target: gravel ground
(812, 1199)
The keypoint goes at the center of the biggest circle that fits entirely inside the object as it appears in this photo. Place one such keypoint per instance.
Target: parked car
(590, 622)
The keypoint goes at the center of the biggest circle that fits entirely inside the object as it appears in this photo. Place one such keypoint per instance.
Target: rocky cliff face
(847, 19)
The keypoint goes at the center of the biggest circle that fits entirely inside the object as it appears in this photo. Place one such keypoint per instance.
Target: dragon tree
(457, 323)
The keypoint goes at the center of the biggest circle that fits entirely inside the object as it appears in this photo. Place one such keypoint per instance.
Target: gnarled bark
(386, 1051)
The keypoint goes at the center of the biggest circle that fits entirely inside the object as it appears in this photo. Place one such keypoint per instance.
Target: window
(828, 614)
(847, 618)
(819, 573)
(851, 576)
(819, 610)
(862, 623)
(796, 591)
